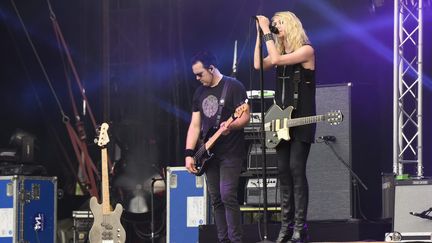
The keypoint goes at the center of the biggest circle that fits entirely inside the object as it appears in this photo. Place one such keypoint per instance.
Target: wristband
(189, 153)
(268, 37)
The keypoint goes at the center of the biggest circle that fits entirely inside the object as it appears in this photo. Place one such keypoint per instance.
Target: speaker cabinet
(413, 197)
(82, 223)
(329, 180)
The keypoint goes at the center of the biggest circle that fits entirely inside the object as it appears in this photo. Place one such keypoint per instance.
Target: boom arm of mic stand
(356, 179)
(346, 165)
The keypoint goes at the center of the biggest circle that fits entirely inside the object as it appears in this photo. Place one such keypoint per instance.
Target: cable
(157, 232)
(355, 179)
(65, 117)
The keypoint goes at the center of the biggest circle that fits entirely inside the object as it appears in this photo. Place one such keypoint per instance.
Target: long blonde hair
(295, 35)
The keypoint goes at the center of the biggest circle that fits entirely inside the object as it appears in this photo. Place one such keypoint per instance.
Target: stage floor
(318, 231)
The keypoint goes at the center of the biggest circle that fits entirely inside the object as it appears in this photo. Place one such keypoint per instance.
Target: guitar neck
(106, 206)
(212, 140)
(304, 120)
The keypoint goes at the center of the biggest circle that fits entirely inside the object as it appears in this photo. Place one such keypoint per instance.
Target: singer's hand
(264, 23)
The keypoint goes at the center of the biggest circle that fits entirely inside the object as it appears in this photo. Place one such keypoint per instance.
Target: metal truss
(407, 86)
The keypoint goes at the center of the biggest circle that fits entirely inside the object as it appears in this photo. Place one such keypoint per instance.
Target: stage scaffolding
(407, 86)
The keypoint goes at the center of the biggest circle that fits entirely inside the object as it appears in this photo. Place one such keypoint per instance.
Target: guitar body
(278, 123)
(201, 160)
(203, 155)
(106, 227)
(273, 136)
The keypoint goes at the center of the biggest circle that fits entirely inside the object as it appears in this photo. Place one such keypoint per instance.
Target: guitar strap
(296, 79)
(219, 112)
(221, 104)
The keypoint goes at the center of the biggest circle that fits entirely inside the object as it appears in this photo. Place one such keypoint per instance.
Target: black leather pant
(292, 157)
(222, 181)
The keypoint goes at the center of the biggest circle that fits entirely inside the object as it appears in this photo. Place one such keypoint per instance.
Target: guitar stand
(154, 180)
(355, 180)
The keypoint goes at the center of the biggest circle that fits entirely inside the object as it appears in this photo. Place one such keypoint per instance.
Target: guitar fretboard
(286, 122)
(212, 140)
(304, 120)
(106, 206)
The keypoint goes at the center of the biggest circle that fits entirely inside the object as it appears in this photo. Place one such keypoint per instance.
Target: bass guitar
(278, 123)
(106, 225)
(203, 154)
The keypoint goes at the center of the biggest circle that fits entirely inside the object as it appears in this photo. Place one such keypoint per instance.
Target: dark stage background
(148, 84)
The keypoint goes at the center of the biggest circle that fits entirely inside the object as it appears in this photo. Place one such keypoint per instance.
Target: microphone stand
(263, 147)
(152, 225)
(353, 174)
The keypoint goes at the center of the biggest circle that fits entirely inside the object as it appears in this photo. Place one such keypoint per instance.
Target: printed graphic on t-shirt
(210, 106)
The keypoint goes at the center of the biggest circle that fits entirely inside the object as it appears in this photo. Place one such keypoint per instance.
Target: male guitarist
(292, 56)
(213, 104)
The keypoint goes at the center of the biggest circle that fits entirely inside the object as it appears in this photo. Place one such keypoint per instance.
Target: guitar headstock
(103, 138)
(334, 117)
(241, 109)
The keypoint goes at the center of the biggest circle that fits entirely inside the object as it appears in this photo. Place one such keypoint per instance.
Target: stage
(70, 66)
(319, 231)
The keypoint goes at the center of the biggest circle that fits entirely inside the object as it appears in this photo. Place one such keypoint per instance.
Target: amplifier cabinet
(254, 192)
(28, 206)
(413, 202)
(186, 205)
(255, 158)
(82, 222)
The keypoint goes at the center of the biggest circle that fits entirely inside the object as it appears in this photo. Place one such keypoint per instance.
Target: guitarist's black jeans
(222, 181)
(292, 157)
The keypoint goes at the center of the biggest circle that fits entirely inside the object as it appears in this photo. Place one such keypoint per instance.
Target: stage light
(24, 142)
(138, 202)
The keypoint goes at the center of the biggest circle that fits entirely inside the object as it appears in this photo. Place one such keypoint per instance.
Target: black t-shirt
(206, 101)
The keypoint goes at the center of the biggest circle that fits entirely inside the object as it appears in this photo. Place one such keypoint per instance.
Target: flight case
(186, 205)
(28, 209)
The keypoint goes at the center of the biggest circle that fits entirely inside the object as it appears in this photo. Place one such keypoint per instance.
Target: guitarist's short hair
(207, 58)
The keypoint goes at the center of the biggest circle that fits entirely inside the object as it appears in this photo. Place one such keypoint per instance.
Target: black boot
(299, 235)
(301, 197)
(287, 215)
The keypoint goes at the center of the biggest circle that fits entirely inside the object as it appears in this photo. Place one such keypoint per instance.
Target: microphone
(421, 215)
(328, 138)
(424, 214)
(272, 28)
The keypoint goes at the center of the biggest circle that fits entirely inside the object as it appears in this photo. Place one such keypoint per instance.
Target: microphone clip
(424, 214)
(327, 138)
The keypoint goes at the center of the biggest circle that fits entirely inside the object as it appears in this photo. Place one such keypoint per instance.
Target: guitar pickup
(268, 126)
